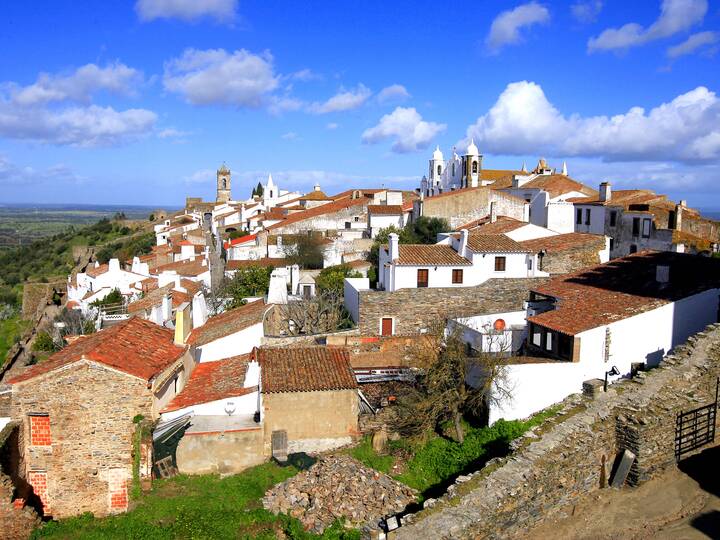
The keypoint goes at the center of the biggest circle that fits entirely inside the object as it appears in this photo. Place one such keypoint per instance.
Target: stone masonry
(417, 309)
(548, 474)
(83, 438)
(17, 520)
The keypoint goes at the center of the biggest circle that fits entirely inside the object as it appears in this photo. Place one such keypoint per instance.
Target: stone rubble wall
(550, 471)
(17, 521)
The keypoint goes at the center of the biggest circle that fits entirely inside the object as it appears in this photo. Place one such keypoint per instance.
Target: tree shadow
(708, 524)
(703, 468)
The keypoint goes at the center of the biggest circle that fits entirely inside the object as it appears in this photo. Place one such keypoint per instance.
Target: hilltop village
(288, 323)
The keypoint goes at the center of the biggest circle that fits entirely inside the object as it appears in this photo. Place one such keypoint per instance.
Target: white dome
(472, 150)
(437, 154)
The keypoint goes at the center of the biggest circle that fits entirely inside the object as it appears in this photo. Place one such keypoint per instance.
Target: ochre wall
(224, 453)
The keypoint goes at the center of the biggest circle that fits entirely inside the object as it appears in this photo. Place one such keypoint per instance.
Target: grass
(197, 507)
(10, 330)
(437, 460)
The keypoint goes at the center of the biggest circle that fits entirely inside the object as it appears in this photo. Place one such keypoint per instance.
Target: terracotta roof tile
(315, 196)
(184, 268)
(329, 208)
(621, 197)
(95, 271)
(622, 288)
(494, 243)
(211, 381)
(554, 184)
(502, 225)
(562, 242)
(241, 240)
(385, 209)
(305, 369)
(429, 255)
(136, 346)
(227, 323)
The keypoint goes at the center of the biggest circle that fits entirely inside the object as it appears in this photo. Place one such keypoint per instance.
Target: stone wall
(572, 260)
(223, 453)
(416, 309)
(465, 205)
(17, 520)
(314, 421)
(91, 412)
(548, 473)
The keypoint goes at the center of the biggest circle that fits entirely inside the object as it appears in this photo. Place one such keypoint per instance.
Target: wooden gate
(696, 428)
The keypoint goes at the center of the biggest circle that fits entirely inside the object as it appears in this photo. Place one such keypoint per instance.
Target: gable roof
(241, 240)
(315, 196)
(211, 381)
(184, 268)
(501, 225)
(305, 369)
(554, 184)
(622, 288)
(328, 208)
(155, 296)
(136, 346)
(428, 255)
(622, 197)
(494, 243)
(228, 322)
(562, 242)
(385, 209)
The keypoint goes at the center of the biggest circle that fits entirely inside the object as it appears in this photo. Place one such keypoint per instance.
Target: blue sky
(138, 102)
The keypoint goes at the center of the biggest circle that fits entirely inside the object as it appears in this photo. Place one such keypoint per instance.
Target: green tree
(44, 343)
(258, 190)
(250, 281)
(426, 229)
(333, 277)
(151, 217)
(306, 251)
(114, 297)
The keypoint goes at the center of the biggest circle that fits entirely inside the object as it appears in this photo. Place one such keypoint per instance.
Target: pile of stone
(338, 487)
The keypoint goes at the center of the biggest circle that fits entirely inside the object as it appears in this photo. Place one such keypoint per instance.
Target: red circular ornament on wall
(499, 325)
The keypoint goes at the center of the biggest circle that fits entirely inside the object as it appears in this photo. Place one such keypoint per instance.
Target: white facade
(645, 337)
(494, 332)
(87, 288)
(237, 343)
(352, 288)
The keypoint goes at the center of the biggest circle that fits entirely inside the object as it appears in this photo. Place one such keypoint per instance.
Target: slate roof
(429, 255)
(562, 242)
(227, 323)
(211, 381)
(136, 346)
(305, 369)
(494, 243)
(623, 288)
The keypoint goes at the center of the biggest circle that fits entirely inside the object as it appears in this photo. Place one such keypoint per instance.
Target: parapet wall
(547, 475)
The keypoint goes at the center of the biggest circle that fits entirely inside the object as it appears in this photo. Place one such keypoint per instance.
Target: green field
(10, 330)
(198, 507)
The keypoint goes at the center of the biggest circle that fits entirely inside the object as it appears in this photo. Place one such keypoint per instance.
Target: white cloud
(281, 104)
(289, 136)
(693, 43)
(344, 100)
(586, 11)
(217, 77)
(12, 174)
(506, 28)
(393, 93)
(523, 121)
(675, 16)
(201, 176)
(332, 125)
(304, 75)
(186, 10)
(172, 133)
(55, 108)
(406, 127)
(77, 86)
(330, 181)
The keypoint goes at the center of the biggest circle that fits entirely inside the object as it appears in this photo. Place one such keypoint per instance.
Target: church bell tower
(223, 184)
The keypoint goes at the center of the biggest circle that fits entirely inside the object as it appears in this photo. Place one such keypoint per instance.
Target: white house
(461, 260)
(230, 333)
(632, 310)
(382, 216)
(197, 269)
(100, 279)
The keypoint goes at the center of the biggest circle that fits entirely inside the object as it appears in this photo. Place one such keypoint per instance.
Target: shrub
(44, 342)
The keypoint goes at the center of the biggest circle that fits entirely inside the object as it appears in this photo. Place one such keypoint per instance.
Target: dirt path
(683, 503)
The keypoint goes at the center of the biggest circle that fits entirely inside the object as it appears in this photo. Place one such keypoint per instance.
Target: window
(457, 275)
(439, 169)
(40, 430)
(548, 341)
(536, 336)
(578, 216)
(357, 219)
(386, 326)
(646, 228)
(453, 170)
(636, 226)
(474, 167)
(613, 218)
(422, 277)
(633, 248)
(612, 244)
(464, 167)
(499, 264)
(587, 216)
(348, 225)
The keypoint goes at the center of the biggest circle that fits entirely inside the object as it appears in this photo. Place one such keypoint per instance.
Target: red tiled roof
(385, 209)
(275, 262)
(184, 268)
(95, 271)
(154, 297)
(305, 369)
(502, 225)
(315, 196)
(136, 346)
(429, 255)
(211, 381)
(241, 240)
(554, 184)
(227, 323)
(494, 243)
(562, 242)
(622, 288)
(329, 208)
(621, 197)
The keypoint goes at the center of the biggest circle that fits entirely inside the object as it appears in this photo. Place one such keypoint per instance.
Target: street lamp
(613, 371)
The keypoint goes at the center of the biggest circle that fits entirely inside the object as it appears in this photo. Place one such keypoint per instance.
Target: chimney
(114, 265)
(316, 187)
(393, 249)
(183, 323)
(463, 242)
(662, 274)
(166, 307)
(683, 203)
(605, 192)
(493, 212)
(178, 285)
(679, 215)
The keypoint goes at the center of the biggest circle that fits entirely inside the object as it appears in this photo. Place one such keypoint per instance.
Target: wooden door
(387, 326)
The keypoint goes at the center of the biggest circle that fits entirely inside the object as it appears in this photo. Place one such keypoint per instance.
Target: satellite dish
(229, 408)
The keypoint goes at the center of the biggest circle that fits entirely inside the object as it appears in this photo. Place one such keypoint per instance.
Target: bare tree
(455, 380)
(322, 313)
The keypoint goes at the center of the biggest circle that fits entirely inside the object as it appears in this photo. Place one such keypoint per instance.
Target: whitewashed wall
(238, 343)
(352, 288)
